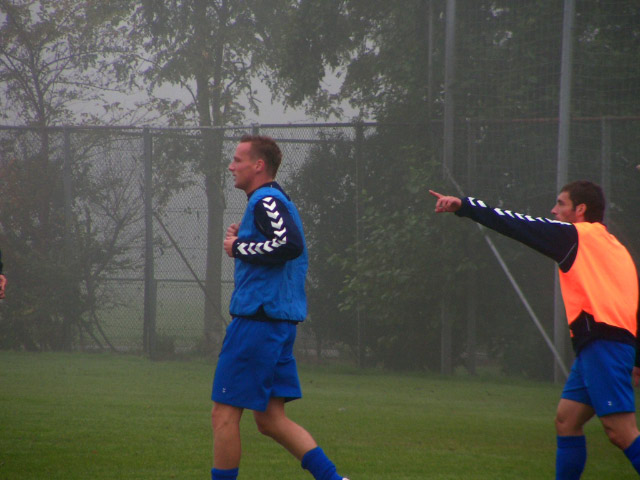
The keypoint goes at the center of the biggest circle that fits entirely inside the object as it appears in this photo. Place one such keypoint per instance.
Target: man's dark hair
(589, 193)
(265, 148)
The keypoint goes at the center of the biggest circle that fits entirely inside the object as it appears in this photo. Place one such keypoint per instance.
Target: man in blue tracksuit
(256, 368)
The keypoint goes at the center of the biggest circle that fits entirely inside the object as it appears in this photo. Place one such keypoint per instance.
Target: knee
(615, 438)
(562, 424)
(265, 426)
(220, 418)
(216, 418)
(570, 418)
(619, 437)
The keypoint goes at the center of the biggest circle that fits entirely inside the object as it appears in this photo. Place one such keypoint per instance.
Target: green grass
(83, 416)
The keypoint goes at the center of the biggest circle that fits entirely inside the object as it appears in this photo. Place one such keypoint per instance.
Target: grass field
(81, 416)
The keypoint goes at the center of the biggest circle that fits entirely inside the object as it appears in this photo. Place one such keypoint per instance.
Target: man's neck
(265, 184)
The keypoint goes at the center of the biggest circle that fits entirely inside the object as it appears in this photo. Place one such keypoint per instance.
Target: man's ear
(260, 165)
(581, 209)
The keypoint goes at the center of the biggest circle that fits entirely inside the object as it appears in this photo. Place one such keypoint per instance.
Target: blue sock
(217, 474)
(633, 454)
(571, 456)
(319, 465)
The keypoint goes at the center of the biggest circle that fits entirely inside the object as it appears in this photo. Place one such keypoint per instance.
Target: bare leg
(571, 417)
(621, 428)
(225, 421)
(274, 423)
(571, 452)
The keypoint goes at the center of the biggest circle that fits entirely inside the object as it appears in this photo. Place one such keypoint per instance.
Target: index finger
(436, 194)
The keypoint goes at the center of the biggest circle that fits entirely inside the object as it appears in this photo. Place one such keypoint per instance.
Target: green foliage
(388, 283)
(507, 66)
(313, 39)
(32, 241)
(57, 257)
(212, 50)
(329, 215)
(369, 256)
(606, 59)
(57, 55)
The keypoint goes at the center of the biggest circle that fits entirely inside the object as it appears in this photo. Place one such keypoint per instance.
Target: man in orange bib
(599, 283)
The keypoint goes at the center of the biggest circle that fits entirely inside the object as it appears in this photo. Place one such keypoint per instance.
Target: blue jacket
(267, 282)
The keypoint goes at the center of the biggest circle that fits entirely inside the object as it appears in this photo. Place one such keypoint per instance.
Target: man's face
(564, 210)
(243, 167)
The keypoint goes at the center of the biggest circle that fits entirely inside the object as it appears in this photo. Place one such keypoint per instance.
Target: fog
(390, 285)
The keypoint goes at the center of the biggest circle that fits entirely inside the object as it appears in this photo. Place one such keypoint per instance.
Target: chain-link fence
(112, 237)
(98, 204)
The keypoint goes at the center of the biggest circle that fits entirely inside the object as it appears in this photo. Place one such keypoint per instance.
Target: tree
(507, 65)
(327, 208)
(53, 56)
(213, 50)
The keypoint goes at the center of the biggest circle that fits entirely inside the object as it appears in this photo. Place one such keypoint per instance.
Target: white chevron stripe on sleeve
(260, 248)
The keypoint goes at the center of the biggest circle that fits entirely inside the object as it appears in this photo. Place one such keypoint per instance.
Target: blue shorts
(256, 364)
(601, 377)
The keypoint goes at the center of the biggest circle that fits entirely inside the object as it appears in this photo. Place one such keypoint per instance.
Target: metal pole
(605, 162)
(449, 72)
(516, 287)
(429, 39)
(564, 123)
(472, 276)
(149, 327)
(447, 164)
(67, 192)
(68, 238)
(359, 140)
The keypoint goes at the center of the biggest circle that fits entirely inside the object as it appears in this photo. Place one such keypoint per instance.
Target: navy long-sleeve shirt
(284, 239)
(554, 239)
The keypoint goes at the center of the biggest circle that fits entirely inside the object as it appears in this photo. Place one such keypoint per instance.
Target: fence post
(446, 366)
(564, 124)
(67, 236)
(472, 275)
(358, 155)
(605, 161)
(149, 322)
(429, 41)
(449, 82)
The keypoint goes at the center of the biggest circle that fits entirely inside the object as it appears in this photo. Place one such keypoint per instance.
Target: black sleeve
(284, 239)
(557, 240)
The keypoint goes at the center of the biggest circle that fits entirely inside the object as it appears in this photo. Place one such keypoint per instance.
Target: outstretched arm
(554, 239)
